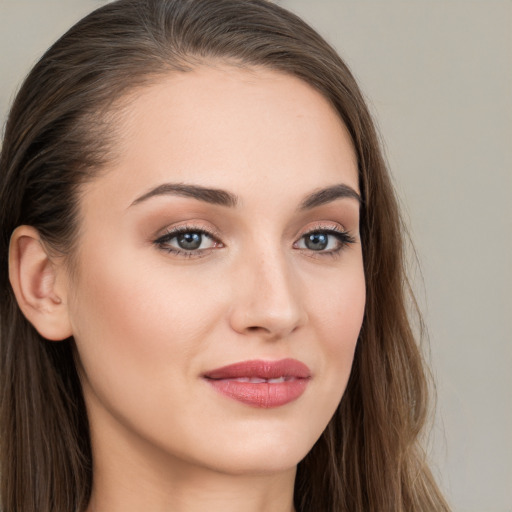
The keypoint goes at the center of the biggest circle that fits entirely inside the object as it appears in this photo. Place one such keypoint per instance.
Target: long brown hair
(59, 134)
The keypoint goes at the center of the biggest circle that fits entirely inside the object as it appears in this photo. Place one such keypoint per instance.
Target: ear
(38, 284)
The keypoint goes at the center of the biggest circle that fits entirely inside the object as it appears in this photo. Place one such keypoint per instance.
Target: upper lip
(261, 369)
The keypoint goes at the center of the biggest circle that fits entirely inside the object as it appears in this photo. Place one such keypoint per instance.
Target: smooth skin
(151, 314)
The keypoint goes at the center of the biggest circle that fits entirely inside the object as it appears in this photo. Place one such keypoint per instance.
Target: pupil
(189, 241)
(317, 241)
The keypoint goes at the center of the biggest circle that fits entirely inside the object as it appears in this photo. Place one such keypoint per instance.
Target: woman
(203, 300)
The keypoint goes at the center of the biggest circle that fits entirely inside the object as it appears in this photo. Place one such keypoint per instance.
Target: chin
(257, 453)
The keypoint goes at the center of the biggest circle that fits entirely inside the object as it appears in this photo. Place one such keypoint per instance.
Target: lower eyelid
(343, 239)
(163, 242)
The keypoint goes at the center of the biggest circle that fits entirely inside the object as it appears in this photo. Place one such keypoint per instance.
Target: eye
(324, 240)
(187, 241)
(190, 241)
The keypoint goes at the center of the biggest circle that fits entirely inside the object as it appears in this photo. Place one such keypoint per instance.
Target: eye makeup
(188, 241)
(324, 241)
(191, 241)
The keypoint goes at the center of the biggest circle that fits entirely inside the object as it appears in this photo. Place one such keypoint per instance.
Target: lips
(259, 383)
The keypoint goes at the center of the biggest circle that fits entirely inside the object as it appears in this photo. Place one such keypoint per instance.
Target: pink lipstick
(262, 384)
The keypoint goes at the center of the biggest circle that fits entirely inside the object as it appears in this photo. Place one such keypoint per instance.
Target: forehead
(229, 127)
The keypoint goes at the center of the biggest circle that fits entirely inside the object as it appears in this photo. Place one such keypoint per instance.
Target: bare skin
(150, 317)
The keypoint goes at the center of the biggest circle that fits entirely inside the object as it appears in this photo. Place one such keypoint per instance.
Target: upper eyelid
(214, 233)
(323, 226)
(163, 241)
(175, 231)
(345, 233)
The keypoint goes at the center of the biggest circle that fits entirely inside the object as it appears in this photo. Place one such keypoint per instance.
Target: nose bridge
(268, 295)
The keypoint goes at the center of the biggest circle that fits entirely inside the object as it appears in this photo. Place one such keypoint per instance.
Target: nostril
(255, 328)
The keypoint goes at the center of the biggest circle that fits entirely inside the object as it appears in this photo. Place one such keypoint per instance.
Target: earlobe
(33, 276)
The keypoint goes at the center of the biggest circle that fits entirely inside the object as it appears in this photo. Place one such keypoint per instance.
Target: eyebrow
(208, 195)
(329, 194)
(224, 198)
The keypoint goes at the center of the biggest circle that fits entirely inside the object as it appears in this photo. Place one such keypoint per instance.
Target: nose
(268, 300)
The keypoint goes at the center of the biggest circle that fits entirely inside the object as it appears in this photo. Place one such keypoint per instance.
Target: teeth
(257, 380)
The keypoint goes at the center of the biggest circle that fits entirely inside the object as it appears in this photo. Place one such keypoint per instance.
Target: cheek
(337, 307)
(133, 324)
(338, 313)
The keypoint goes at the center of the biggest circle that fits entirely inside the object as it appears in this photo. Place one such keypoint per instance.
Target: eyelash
(163, 241)
(343, 237)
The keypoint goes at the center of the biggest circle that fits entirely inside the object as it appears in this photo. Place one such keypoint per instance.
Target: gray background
(438, 75)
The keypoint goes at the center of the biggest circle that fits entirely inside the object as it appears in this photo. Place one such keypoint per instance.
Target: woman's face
(226, 232)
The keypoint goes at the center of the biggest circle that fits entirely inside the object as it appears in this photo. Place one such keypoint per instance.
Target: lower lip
(261, 394)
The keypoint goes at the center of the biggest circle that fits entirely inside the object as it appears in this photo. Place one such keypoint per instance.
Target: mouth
(263, 384)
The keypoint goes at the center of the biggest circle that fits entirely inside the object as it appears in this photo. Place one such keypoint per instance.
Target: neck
(195, 491)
